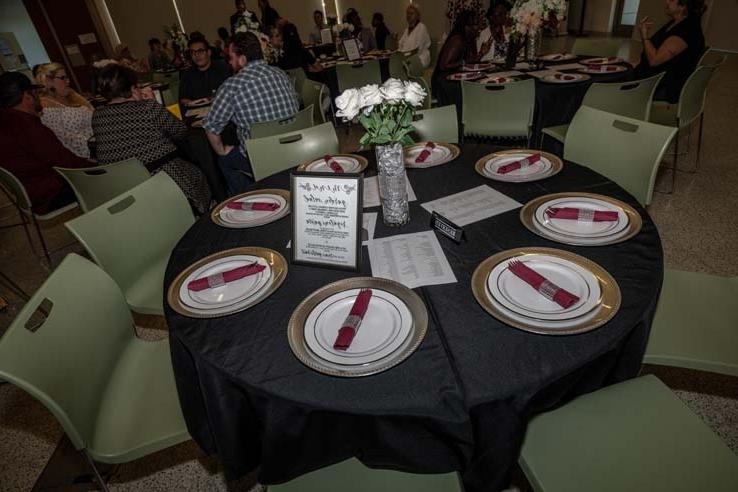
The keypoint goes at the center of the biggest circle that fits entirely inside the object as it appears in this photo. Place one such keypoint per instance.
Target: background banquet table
(460, 402)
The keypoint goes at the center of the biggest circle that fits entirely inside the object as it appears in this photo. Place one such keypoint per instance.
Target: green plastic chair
(299, 121)
(358, 75)
(391, 42)
(635, 435)
(691, 106)
(113, 393)
(16, 193)
(397, 66)
(132, 236)
(626, 150)
(596, 46)
(413, 66)
(435, 47)
(712, 58)
(357, 477)
(498, 110)
(94, 186)
(436, 125)
(631, 99)
(165, 77)
(270, 155)
(171, 95)
(313, 94)
(297, 75)
(696, 323)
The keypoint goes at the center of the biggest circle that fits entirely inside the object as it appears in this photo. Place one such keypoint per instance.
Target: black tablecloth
(329, 77)
(461, 402)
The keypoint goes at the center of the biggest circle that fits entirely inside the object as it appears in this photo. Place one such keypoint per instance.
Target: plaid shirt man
(258, 92)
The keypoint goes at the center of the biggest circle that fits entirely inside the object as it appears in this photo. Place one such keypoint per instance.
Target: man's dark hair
(318, 12)
(153, 41)
(223, 34)
(198, 39)
(248, 45)
(116, 81)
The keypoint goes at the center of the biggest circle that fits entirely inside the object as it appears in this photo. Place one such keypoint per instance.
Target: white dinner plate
(349, 165)
(384, 328)
(497, 80)
(581, 229)
(255, 217)
(230, 292)
(557, 57)
(477, 67)
(607, 60)
(438, 155)
(604, 69)
(527, 173)
(465, 76)
(564, 78)
(519, 297)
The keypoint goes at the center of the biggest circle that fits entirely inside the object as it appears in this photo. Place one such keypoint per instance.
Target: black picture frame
(357, 215)
(354, 53)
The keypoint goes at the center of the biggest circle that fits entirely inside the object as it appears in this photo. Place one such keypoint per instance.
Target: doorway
(626, 17)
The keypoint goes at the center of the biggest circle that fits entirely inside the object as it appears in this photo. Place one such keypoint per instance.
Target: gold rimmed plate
(548, 166)
(441, 154)
(601, 202)
(282, 197)
(297, 326)
(606, 308)
(278, 272)
(351, 163)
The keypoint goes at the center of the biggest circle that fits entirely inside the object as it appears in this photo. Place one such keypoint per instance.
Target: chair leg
(98, 477)
(699, 146)
(14, 287)
(43, 242)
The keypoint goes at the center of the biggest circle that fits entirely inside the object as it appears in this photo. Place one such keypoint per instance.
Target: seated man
(29, 149)
(257, 92)
(205, 75)
(158, 58)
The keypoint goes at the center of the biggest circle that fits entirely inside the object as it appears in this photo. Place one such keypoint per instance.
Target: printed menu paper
(472, 205)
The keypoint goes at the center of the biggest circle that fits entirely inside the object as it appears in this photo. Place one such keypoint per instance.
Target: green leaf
(406, 140)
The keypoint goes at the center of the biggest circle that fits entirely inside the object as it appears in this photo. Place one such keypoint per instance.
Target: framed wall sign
(351, 48)
(327, 219)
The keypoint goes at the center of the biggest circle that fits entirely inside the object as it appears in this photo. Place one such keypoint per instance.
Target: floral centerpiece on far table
(386, 113)
(527, 18)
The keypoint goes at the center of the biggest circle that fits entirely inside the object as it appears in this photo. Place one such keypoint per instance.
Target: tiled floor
(698, 230)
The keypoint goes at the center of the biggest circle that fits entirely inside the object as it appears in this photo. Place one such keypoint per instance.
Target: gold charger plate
(556, 164)
(528, 212)
(276, 262)
(362, 162)
(215, 213)
(455, 152)
(609, 299)
(296, 327)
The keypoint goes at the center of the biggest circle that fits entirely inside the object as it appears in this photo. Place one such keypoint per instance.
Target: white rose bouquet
(386, 111)
(248, 22)
(528, 16)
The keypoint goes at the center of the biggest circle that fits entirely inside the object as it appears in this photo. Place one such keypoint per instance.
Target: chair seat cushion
(146, 295)
(558, 132)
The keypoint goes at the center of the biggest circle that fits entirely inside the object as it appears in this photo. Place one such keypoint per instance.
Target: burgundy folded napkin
(224, 277)
(531, 159)
(564, 76)
(602, 68)
(260, 206)
(332, 163)
(426, 152)
(581, 214)
(352, 322)
(547, 289)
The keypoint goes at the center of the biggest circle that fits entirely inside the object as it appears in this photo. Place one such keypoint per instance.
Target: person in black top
(240, 9)
(269, 16)
(675, 49)
(380, 30)
(205, 75)
(294, 54)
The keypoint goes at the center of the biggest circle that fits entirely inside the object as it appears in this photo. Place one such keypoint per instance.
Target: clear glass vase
(392, 184)
(533, 46)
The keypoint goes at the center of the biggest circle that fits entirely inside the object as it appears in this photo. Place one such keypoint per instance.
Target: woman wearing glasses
(64, 111)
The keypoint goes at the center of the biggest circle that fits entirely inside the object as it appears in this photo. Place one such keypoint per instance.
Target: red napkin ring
(425, 153)
(582, 214)
(352, 322)
(218, 279)
(260, 206)
(335, 166)
(547, 289)
(531, 159)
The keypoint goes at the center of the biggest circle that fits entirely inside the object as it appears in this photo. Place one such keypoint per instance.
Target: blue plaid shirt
(258, 92)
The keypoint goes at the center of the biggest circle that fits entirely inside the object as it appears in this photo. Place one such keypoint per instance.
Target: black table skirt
(461, 402)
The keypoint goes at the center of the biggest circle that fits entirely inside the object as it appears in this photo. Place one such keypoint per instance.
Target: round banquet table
(329, 77)
(460, 402)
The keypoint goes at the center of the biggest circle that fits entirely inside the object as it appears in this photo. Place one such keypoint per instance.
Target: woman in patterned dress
(65, 112)
(130, 126)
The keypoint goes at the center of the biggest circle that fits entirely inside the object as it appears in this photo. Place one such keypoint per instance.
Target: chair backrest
(358, 75)
(436, 125)
(631, 99)
(390, 43)
(135, 230)
(693, 94)
(397, 66)
(297, 75)
(67, 361)
(414, 66)
(435, 47)
(299, 121)
(15, 190)
(165, 77)
(270, 155)
(712, 58)
(171, 95)
(94, 186)
(313, 94)
(596, 46)
(498, 110)
(625, 150)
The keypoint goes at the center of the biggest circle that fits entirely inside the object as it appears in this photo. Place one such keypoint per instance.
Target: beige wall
(598, 16)
(138, 20)
(720, 29)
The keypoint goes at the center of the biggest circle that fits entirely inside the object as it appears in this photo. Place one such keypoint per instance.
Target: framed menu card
(351, 48)
(326, 36)
(327, 219)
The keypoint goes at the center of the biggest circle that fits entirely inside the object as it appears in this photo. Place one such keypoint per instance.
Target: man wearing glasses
(202, 80)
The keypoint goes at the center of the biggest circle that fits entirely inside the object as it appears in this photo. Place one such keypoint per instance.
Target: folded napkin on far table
(531, 159)
(547, 289)
(224, 277)
(332, 163)
(426, 152)
(261, 206)
(564, 76)
(581, 214)
(352, 322)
